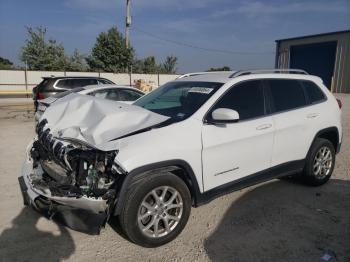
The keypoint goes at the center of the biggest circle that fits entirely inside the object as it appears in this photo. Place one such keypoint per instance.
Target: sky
(245, 30)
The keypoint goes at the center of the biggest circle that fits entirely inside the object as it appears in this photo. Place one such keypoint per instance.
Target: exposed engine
(72, 170)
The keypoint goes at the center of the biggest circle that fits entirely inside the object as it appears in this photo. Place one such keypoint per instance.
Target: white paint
(226, 153)
(96, 121)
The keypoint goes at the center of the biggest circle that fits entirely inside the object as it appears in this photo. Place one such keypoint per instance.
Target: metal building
(325, 55)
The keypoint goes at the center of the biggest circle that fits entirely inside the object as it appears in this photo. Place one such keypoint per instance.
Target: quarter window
(313, 92)
(246, 98)
(286, 94)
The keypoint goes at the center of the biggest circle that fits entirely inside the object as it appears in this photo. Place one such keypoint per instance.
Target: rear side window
(104, 82)
(246, 98)
(113, 95)
(128, 95)
(313, 92)
(286, 94)
(65, 83)
(100, 93)
(45, 85)
(84, 82)
(75, 82)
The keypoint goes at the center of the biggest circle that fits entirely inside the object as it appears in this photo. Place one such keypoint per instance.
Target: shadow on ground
(24, 242)
(284, 221)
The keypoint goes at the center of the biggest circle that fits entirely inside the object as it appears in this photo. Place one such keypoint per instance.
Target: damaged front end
(70, 181)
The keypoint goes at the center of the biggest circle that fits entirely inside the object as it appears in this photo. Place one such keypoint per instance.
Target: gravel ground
(275, 221)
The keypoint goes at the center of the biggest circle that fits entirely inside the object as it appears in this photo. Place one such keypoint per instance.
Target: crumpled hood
(96, 121)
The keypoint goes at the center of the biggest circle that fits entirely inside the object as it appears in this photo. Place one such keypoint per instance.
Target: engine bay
(71, 170)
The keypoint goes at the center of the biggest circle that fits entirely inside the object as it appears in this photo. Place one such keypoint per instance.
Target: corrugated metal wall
(341, 77)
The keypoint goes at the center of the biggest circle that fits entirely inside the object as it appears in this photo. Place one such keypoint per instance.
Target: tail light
(40, 96)
(340, 104)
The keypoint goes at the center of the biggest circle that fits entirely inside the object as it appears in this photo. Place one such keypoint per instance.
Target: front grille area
(53, 148)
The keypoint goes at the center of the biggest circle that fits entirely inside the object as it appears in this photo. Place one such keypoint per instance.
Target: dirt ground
(275, 221)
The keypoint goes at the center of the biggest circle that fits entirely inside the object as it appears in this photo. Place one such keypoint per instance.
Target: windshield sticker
(201, 90)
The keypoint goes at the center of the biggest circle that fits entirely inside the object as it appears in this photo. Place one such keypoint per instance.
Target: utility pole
(127, 23)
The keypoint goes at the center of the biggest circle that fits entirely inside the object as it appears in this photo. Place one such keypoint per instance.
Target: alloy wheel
(160, 212)
(323, 162)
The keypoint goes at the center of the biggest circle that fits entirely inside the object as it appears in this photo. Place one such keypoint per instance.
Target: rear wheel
(156, 209)
(320, 162)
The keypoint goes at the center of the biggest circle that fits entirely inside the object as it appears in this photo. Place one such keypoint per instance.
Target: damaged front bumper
(85, 214)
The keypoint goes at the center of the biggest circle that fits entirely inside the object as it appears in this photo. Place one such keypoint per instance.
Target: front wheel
(156, 209)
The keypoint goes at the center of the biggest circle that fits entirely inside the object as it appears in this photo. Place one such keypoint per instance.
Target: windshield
(65, 93)
(178, 100)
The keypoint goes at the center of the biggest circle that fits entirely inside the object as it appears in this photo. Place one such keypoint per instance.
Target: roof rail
(269, 71)
(202, 73)
(190, 74)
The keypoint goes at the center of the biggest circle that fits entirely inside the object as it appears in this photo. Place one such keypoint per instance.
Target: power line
(199, 47)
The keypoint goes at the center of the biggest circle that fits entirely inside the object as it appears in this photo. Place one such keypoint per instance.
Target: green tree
(76, 62)
(147, 65)
(40, 54)
(150, 65)
(224, 68)
(110, 53)
(5, 63)
(137, 66)
(169, 65)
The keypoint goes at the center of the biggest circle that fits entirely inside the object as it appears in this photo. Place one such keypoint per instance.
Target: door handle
(264, 126)
(312, 115)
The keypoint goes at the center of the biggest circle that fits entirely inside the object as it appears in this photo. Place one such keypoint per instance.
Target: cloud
(143, 4)
(92, 4)
(190, 25)
(258, 8)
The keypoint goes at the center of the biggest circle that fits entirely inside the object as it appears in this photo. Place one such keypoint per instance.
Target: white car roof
(227, 76)
(91, 88)
(217, 76)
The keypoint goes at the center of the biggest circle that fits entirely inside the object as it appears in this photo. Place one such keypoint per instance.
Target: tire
(142, 210)
(319, 163)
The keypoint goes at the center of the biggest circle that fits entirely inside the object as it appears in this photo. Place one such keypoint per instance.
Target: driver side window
(247, 98)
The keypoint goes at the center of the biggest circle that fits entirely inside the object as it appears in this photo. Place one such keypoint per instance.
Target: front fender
(169, 165)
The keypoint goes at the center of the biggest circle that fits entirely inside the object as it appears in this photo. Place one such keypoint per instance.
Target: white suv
(182, 145)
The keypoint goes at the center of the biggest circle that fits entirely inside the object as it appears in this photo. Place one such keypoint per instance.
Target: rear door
(291, 120)
(236, 150)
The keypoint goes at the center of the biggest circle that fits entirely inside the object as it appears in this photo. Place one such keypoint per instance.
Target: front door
(235, 150)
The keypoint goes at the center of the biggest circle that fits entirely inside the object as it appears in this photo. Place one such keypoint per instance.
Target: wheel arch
(329, 133)
(177, 166)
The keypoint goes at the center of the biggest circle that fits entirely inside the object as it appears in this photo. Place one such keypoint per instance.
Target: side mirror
(224, 115)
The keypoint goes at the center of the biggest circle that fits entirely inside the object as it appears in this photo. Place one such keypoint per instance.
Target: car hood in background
(96, 121)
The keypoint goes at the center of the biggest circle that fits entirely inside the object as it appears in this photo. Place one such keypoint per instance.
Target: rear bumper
(83, 214)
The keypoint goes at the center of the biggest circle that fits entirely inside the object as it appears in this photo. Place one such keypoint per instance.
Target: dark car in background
(53, 85)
